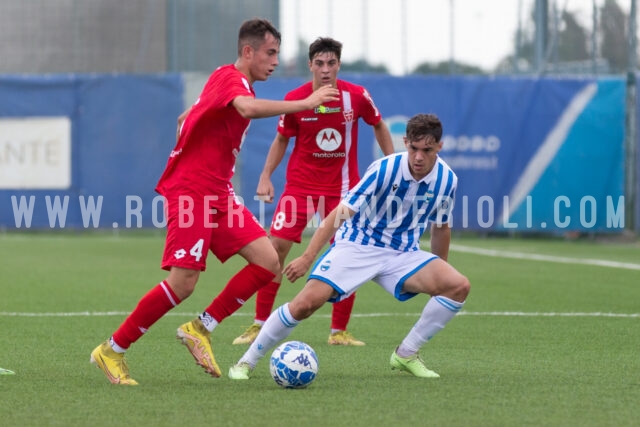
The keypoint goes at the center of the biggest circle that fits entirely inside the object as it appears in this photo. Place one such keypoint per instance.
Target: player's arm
(328, 227)
(440, 240)
(255, 108)
(265, 190)
(383, 136)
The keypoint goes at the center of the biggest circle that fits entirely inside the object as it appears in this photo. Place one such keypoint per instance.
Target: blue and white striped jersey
(392, 208)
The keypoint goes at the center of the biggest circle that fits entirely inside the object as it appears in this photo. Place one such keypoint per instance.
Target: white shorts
(347, 266)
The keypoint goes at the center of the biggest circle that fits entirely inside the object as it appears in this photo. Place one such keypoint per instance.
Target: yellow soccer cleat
(249, 335)
(112, 364)
(196, 338)
(344, 338)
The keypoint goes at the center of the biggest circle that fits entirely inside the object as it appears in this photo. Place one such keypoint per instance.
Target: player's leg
(340, 316)
(266, 295)
(448, 289)
(341, 310)
(236, 231)
(351, 266)
(248, 239)
(281, 323)
(290, 218)
(183, 275)
(260, 270)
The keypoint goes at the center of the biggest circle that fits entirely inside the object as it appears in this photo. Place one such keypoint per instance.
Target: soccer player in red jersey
(326, 146)
(202, 211)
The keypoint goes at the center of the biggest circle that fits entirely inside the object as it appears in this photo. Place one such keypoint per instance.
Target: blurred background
(538, 99)
(397, 37)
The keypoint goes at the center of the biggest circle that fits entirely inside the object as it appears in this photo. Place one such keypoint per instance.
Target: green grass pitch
(539, 342)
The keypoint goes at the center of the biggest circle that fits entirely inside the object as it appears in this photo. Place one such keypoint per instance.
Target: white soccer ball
(294, 364)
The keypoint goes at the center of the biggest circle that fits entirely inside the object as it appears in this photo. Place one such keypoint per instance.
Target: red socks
(265, 299)
(341, 313)
(155, 304)
(239, 289)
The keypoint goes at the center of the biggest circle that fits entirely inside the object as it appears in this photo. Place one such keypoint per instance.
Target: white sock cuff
(449, 304)
(285, 316)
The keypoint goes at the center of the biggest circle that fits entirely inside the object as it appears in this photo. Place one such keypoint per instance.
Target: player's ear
(247, 50)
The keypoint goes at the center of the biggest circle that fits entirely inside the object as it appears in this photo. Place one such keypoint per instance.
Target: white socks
(208, 321)
(435, 315)
(116, 347)
(277, 327)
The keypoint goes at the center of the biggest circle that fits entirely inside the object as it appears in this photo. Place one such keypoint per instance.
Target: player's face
(423, 154)
(264, 60)
(324, 67)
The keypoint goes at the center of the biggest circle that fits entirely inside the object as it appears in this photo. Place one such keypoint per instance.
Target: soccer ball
(294, 364)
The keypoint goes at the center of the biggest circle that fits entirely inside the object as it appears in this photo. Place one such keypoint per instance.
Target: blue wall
(530, 154)
(123, 128)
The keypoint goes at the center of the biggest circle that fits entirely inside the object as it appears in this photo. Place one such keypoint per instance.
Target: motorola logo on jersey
(328, 139)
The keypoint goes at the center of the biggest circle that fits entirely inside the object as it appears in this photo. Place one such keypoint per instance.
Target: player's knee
(460, 288)
(268, 260)
(183, 282)
(300, 310)
(273, 264)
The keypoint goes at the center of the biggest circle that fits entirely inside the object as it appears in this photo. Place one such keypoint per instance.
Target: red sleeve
(369, 112)
(224, 86)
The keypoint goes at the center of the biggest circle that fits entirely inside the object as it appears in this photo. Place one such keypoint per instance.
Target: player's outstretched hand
(321, 95)
(297, 268)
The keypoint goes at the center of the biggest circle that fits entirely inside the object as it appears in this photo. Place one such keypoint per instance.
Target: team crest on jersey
(348, 115)
(328, 139)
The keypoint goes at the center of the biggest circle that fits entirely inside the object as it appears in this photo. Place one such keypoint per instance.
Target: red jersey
(203, 160)
(324, 160)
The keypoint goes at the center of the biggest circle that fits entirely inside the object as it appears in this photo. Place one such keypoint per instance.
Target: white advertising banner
(35, 153)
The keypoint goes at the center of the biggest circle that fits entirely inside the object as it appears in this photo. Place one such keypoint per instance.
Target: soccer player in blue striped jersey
(377, 228)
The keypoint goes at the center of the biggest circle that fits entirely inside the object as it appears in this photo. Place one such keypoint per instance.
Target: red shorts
(193, 230)
(294, 212)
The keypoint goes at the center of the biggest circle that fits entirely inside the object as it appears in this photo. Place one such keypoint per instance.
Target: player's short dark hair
(325, 44)
(422, 125)
(253, 32)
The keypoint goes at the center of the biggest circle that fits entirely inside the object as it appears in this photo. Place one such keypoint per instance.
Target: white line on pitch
(549, 258)
(462, 313)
